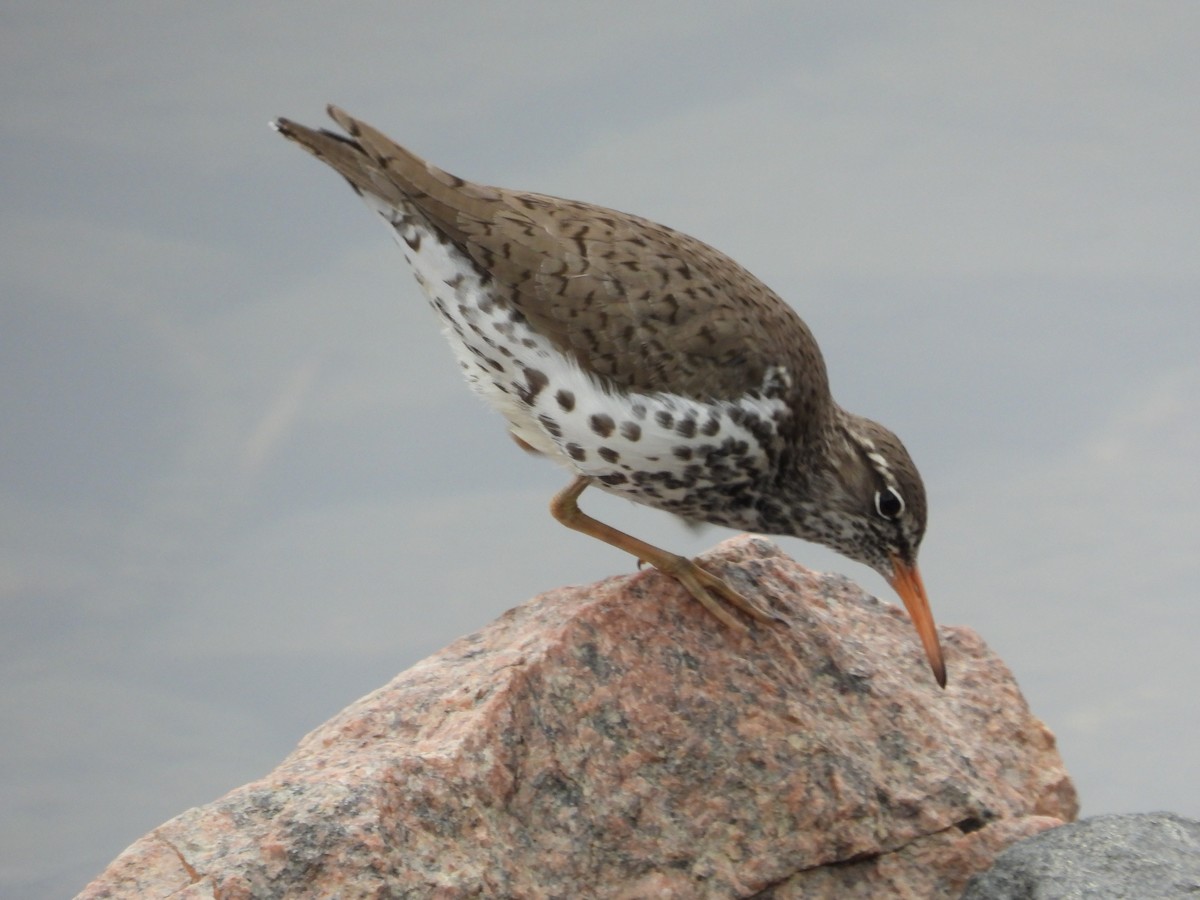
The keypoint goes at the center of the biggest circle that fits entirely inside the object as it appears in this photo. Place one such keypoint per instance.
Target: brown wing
(633, 301)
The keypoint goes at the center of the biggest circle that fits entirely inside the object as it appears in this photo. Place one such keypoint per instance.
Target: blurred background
(242, 484)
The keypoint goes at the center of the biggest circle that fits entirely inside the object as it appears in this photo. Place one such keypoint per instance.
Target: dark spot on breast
(686, 428)
(550, 425)
(602, 424)
(613, 478)
(682, 452)
(608, 454)
(535, 381)
(710, 427)
(576, 452)
(631, 431)
(639, 411)
(566, 400)
(664, 418)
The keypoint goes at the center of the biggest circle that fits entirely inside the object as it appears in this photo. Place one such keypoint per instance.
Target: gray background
(242, 483)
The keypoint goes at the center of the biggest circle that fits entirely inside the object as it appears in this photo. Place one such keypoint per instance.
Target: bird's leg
(702, 585)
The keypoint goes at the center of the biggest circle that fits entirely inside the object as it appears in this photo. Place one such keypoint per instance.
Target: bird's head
(872, 510)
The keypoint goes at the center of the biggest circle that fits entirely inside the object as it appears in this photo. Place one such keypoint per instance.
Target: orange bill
(908, 584)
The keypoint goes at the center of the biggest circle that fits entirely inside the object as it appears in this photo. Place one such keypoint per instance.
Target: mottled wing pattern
(634, 302)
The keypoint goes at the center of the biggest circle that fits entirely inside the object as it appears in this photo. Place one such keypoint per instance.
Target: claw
(703, 585)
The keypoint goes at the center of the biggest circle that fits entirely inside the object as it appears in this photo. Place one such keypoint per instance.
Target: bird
(650, 365)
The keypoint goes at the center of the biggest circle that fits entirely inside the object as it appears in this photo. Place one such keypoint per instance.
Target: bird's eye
(888, 503)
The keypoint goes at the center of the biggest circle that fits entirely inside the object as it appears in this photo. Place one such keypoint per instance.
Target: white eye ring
(889, 504)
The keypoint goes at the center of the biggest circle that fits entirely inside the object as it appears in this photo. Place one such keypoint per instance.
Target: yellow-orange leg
(702, 585)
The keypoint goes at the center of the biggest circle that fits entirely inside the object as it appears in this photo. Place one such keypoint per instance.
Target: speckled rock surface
(614, 741)
(1138, 856)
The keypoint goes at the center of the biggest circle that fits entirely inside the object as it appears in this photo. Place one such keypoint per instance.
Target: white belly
(661, 449)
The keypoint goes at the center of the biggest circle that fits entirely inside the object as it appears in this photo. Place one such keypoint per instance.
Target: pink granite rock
(614, 741)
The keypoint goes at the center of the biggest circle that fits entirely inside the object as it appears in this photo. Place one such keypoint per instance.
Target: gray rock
(1141, 856)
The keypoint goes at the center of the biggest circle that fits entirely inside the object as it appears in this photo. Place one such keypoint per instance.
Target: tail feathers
(345, 156)
(374, 164)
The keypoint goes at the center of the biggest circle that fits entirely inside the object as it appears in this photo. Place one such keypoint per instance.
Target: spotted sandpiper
(649, 364)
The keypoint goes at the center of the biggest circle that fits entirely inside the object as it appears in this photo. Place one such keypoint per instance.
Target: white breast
(662, 449)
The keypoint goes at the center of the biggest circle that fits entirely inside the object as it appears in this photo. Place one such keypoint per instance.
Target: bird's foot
(713, 592)
(710, 590)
